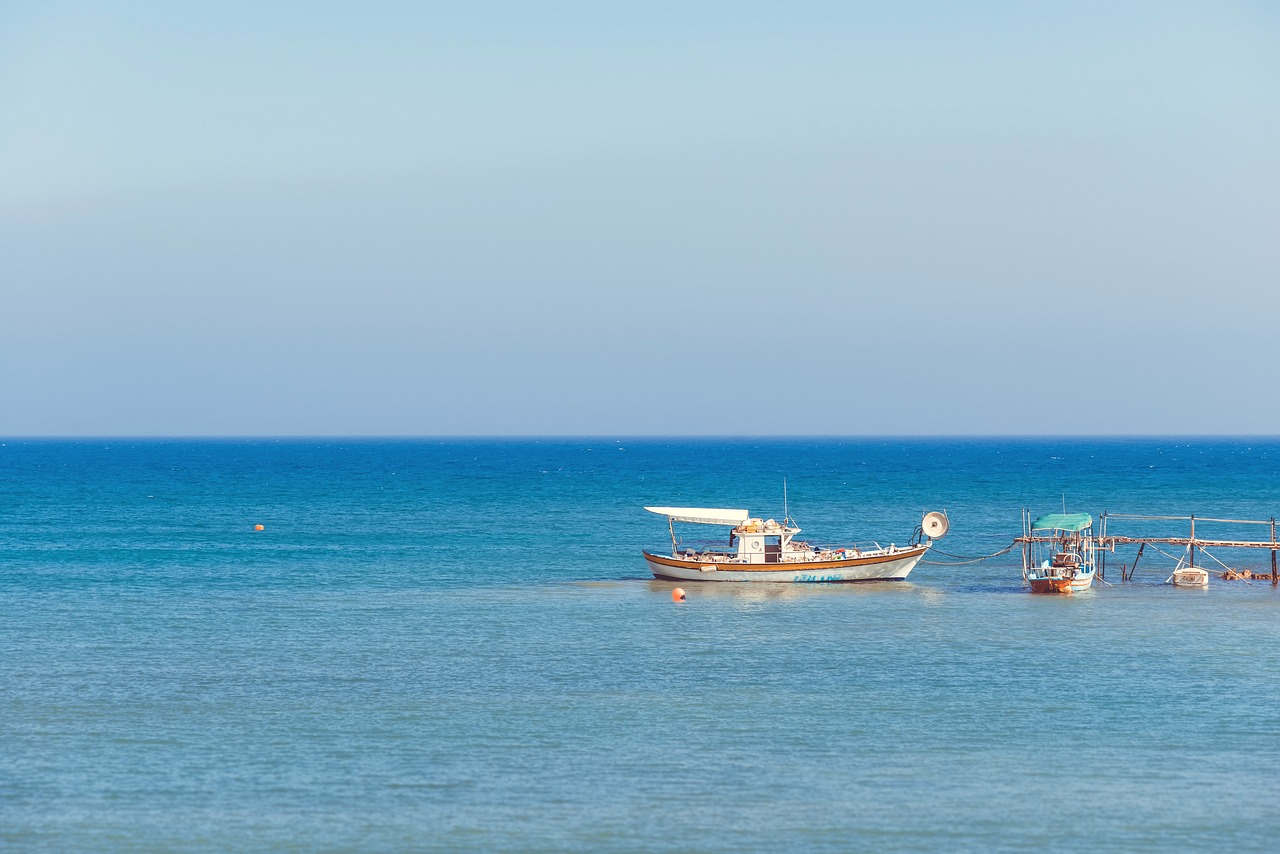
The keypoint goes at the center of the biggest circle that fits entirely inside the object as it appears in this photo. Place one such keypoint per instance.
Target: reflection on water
(764, 591)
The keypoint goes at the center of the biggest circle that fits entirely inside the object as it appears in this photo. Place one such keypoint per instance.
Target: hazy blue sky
(603, 218)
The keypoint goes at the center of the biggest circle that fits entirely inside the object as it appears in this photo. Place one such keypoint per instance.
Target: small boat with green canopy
(1059, 552)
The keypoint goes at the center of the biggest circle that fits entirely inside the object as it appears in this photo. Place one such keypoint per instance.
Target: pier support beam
(1191, 545)
(1134, 565)
(1273, 551)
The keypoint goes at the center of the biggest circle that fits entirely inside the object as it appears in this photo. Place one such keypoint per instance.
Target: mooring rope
(963, 560)
(1154, 547)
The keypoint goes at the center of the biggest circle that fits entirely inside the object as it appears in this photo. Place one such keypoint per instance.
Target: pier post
(1026, 542)
(1273, 551)
(1102, 543)
(1191, 545)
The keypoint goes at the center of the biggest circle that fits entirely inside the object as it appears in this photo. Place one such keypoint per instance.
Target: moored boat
(1188, 576)
(1059, 552)
(766, 550)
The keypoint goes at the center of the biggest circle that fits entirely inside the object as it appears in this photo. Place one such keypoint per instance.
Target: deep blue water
(444, 645)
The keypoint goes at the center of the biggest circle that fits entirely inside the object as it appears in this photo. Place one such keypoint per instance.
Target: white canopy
(703, 515)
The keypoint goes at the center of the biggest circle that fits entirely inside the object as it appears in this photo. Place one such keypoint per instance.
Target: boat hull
(888, 567)
(1189, 578)
(1059, 584)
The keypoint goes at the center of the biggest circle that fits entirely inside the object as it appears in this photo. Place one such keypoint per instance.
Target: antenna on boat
(1064, 503)
(786, 514)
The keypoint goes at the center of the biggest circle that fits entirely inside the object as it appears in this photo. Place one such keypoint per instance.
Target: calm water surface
(455, 645)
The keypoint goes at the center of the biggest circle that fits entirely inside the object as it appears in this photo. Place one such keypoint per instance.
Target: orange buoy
(677, 595)
(259, 527)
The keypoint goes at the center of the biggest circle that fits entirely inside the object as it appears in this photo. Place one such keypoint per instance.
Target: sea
(455, 645)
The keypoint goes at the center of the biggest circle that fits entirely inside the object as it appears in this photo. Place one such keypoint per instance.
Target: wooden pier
(1106, 542)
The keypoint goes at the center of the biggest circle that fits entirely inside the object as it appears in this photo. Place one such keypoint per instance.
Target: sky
(561, 218)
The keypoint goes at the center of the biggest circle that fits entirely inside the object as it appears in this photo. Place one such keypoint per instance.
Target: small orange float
(677, 595)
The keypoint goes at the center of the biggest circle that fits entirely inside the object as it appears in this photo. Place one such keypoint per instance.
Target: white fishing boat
(1188, 576)
(766, 550)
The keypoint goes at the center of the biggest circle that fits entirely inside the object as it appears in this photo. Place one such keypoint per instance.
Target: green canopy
(1063, 522)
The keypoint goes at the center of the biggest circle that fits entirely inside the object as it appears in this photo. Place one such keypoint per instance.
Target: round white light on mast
(935, 525)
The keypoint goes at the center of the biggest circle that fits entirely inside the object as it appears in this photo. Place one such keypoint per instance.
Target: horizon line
(94, 437)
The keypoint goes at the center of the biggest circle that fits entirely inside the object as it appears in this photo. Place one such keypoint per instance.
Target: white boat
(766, 550)
(1188, 576)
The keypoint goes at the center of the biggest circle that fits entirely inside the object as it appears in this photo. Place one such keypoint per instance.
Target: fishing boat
(767, 550)
(1059, 552)
(1188, 576)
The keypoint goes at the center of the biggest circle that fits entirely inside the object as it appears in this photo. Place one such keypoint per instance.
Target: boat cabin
(751, 540)
(761, 540)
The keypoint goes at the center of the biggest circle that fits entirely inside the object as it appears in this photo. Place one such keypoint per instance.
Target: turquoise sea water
(445, 645)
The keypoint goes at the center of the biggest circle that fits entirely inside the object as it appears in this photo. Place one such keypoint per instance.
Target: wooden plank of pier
(1198, 542)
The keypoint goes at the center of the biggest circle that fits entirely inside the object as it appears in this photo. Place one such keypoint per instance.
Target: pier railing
(706, 551)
